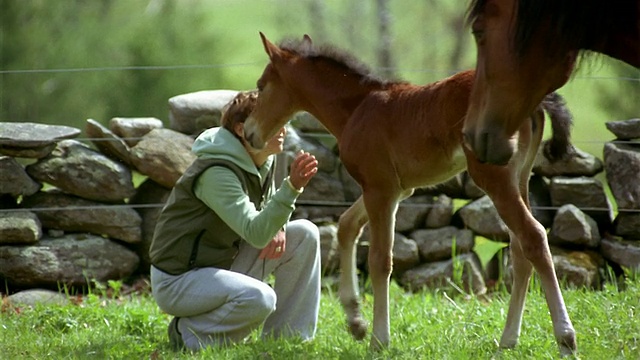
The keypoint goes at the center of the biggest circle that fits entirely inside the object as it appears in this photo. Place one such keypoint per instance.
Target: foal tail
(559, 146)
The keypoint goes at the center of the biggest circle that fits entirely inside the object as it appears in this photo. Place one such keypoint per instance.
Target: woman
(225, 229)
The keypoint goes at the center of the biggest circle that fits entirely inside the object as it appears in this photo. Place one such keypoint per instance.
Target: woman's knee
(261, 298)
(304, 231)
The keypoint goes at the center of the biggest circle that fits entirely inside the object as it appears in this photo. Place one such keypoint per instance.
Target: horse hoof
(567, 343)
(358, 329)
(377, 345)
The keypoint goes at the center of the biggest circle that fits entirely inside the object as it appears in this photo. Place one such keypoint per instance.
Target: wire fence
(254, 63)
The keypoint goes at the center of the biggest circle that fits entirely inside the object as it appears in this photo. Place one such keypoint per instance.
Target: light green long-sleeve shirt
(221, 190)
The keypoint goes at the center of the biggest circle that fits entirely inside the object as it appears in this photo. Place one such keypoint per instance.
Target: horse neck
(334, 101)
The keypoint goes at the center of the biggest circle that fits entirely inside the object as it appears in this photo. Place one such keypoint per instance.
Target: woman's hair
(238, 109)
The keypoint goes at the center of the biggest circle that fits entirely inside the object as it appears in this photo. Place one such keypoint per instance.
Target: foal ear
(306, 39)
(269, 48)
(306, 44)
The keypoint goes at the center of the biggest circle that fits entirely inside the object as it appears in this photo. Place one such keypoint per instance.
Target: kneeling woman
(224, 229)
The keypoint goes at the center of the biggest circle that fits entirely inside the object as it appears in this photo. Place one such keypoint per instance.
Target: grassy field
(428, 325)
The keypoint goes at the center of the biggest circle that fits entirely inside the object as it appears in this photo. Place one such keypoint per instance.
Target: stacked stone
(70, 213)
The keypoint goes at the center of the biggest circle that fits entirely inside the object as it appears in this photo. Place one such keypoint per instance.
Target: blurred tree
(99, 45)
(317, 15)
(385, 59)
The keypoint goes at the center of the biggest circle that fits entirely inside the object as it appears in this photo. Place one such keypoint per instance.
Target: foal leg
(349, 229)
(381, 207)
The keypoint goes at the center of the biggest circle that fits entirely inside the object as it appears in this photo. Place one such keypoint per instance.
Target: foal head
(277, 101)
(519, 60)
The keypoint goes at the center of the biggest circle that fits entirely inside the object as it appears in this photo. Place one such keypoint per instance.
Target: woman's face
(276, 144)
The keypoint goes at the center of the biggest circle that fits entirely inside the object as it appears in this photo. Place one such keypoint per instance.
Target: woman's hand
(302, 169)
(275, 248)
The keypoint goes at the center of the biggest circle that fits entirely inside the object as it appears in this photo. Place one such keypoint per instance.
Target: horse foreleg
(532, 239)
(522, 270)
(349, 229)
(381, 210)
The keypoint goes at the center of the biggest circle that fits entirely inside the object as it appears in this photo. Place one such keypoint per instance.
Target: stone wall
(70, 212)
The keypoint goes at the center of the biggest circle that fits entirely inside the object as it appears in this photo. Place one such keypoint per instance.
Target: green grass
(428, 325)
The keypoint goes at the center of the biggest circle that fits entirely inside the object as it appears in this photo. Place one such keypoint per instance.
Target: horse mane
(564, 22)
(337, 57)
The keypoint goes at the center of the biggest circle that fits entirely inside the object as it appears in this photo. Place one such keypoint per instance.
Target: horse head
(511, 78)
(276, 101)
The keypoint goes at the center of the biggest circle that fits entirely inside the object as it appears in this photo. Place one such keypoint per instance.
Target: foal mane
(570, 24)
(337, 57)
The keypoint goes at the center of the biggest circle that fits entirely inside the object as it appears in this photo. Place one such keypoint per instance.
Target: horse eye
(478, 34)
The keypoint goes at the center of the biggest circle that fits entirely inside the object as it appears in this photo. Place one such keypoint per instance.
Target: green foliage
(487, 249)
(426, 325)
(96, 36)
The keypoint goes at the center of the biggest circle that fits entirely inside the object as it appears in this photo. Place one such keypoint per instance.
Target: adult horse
(527, 49)
(394, 137)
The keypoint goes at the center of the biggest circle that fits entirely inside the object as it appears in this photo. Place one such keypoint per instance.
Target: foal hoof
(567, 343)
(358, 329)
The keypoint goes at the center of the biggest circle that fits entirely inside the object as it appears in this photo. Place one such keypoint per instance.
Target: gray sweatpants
(218, 306)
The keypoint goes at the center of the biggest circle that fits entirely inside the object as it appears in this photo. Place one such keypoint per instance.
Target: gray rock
(32, 135)
(317, 214)
(73, 260)
(627, 225)
(323, 188)
(194, 112)
(441, 212)
(437, 244)
(578, 163)
(540, 200)
(329, 255)
(107, 142)
(163, 155)
(585, 193)
(482, 217)
(19, 227)
(622, 252)
(441, 274)
(14, 180)
(622, 163)
(33, 297)
(412, 212)
(578, 269)
(76, 169)
(73, 214)
(307, 123)
(471, 190)
(132, 129)
(29, 153)
(405, 254)
(148, 201)
(573, 227)
(294, 142)
(625, 129)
